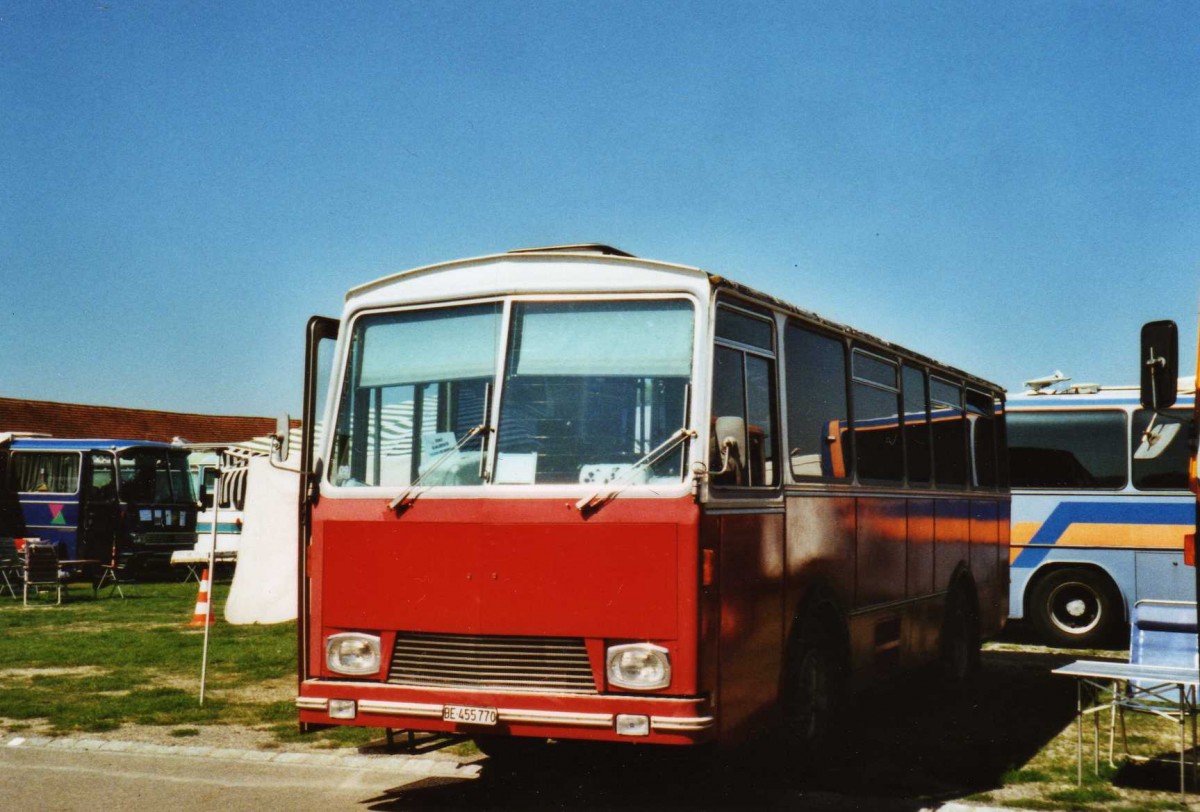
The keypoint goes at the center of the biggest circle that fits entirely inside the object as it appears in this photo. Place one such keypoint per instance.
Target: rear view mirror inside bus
(1160, 364)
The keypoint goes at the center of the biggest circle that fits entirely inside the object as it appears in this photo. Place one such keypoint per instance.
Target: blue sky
(1011, 188)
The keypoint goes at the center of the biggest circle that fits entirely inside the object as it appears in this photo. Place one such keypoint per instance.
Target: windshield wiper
(403, 501)
(612, 489)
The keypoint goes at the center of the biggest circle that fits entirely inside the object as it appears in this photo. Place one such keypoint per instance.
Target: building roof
(79, 420)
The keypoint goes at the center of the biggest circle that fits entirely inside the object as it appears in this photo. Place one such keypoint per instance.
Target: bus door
(745, 512)
(99, 510)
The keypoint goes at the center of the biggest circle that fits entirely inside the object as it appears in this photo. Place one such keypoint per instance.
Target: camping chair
(41, 569)
(1162, 635)
(10, 565)
(113, 575)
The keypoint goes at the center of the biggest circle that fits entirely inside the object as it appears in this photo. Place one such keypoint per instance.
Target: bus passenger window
(878, 454)
(818, 436)
(981, 409)
(737, 328)
(744, 387)
(1084, 450)
(44, 472)
(949, 434)
(1169, 470)
(916, 427)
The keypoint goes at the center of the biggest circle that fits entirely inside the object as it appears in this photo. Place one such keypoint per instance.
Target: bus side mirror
(731, 440)
(281, 440)
(1156, 439)
(1160, 364)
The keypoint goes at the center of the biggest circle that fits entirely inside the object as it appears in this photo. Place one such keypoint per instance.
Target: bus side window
(916, 427)
(44, 471)
(879, 455)
(1084, 450)
(949, 434)
(1003, 472)
(981, 409)
(1168, 471)
(103, 486)
(818, 433)
(744, 387)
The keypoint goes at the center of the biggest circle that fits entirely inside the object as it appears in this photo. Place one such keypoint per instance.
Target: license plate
(466, 715)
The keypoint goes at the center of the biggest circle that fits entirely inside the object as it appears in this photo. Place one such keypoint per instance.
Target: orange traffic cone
(202, 614)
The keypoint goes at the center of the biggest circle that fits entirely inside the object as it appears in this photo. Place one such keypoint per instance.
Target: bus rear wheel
(960, 641)
(1075, 607)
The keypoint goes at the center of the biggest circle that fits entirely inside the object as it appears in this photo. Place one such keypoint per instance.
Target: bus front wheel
(815, 687)
(1075, 607)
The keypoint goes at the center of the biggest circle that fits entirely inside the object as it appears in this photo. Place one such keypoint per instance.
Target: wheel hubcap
(1075, 608)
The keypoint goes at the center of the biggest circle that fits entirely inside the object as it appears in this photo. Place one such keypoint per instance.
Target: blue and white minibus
(128, 502)
(1100, 508)
(221, 500)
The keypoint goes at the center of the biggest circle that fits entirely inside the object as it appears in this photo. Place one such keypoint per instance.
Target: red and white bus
(568, 493)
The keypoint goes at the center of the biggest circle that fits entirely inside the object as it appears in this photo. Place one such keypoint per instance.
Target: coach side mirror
(1160, 364)
(731, 441)
(281, 440)
(1156, 439)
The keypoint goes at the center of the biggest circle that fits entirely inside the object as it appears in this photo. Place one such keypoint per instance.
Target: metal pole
(1079, 731)
(1182, 745)
(212, 571)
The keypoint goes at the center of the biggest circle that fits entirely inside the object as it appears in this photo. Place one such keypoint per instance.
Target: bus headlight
(352, 653)
(639, 666)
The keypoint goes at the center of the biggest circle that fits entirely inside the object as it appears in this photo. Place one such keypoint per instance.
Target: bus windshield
(587, 389)
(154, 476)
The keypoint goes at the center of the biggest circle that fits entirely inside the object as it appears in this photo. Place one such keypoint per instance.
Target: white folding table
(1163, 687)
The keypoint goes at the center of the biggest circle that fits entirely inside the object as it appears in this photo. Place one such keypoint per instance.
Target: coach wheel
(816, 685)
(1075, 607)
(960, 641)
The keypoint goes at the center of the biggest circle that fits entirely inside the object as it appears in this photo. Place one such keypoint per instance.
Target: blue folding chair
(1162, 637)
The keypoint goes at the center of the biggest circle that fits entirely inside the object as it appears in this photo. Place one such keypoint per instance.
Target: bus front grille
(546, 664)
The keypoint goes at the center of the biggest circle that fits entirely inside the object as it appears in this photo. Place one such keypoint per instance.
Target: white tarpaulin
(264, 583)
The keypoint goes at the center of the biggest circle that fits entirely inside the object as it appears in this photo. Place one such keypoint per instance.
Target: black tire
(815, 687)
(1075, 607)
(511, 751)
(960, 640)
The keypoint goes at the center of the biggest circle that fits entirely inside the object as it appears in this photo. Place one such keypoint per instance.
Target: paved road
(79, 774)
(84, 777)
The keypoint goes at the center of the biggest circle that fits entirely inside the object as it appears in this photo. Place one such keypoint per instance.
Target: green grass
(1047, 779)
(97, 664)
(1026, 777)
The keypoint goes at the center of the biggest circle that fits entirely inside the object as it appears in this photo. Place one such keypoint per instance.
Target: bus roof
(82, 444)
(1091, 395)
(606, 254)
